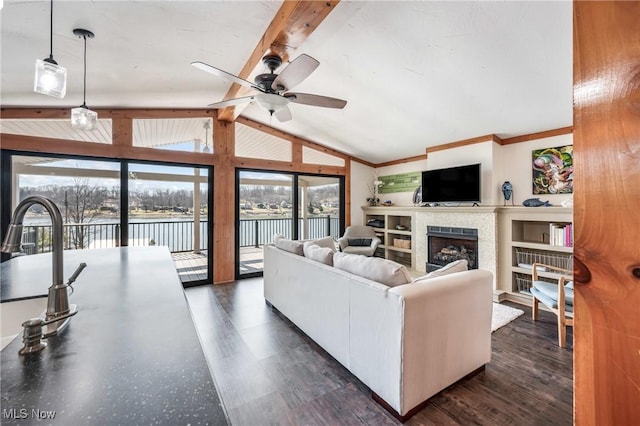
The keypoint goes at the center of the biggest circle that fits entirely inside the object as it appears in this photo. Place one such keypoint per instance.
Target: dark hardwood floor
(268, 372)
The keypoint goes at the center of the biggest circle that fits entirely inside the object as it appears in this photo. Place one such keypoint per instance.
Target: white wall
(499, 163)
(514, 165)
(482, 152)
(400, 198)
(361, 177)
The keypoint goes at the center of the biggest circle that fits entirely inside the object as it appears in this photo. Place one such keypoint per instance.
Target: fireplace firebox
(447, 244)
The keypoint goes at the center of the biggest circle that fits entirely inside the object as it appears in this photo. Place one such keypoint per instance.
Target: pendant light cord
(84, 89)
(51, 33)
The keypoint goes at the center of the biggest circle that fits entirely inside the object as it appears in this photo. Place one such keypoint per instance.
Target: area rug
(503, 315)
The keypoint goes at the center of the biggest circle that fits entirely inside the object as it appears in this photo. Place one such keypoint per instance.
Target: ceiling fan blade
(315, 100)
(231, 102)
(223, 74)
(297, 70)
(283, 114)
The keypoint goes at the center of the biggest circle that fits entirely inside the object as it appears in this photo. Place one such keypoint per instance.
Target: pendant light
(50, 78)
(206, 127)
(82, 117)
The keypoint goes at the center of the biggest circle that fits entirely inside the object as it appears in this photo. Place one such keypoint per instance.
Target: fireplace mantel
(494, 231)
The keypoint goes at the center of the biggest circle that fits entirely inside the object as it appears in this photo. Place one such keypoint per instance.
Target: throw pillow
(384, 271)
(327, 242)
(449, 268)
(320, 254)
(360, 242)
(292, 246)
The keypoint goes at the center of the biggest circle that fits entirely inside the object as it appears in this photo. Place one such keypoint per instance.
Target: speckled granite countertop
(130, 356)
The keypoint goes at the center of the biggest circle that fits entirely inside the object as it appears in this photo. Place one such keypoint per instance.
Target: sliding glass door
(265, 208)
(291, 204)
(111, 203)
(319, 207)
(169, 206)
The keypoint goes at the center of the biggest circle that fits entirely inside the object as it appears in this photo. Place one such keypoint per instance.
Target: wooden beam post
(224, 203)
(293, 23)
(607, 201)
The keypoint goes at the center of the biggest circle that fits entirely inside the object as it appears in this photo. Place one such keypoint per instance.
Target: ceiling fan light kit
(50, 78)
(273, 87)
(271, 102)
(82, 117)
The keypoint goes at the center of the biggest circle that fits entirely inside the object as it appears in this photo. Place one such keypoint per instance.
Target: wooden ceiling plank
(293, 23)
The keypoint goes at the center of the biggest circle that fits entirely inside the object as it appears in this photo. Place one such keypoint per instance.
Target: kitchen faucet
(59, 310)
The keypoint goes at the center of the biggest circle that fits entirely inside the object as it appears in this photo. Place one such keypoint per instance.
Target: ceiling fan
(274, 88)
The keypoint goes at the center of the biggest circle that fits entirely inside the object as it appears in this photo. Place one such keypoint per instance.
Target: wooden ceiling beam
(293, 23)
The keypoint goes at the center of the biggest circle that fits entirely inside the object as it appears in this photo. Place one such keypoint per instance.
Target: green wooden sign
(403, 182)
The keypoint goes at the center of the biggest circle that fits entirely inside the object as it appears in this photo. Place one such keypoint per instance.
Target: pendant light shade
(50, 78)
(82, 117)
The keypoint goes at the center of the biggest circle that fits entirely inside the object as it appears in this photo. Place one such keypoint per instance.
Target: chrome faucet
(58, 310)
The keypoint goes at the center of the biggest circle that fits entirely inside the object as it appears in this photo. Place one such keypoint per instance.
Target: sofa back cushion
(384, 271)
(320, 254)
(292, 246)
(449, 268)
(327, 242)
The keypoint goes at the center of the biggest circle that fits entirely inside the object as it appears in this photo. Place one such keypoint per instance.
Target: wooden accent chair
(557, 297)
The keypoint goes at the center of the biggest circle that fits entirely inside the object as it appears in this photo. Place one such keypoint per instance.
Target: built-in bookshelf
(528, 236)
(395, 227)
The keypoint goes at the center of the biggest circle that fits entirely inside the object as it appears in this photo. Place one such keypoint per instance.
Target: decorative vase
(507, 191)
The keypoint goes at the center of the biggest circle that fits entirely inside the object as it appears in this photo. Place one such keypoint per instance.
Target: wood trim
(65, 113)
(364, 162)
(296, 153)
(224, 204)
(290, 27)
(291, 138)
(62, 146)
(258, 163)
(464, 142)
(403, 160)
(347, 194)
(539, 135)
(122, 132)
(606, 48)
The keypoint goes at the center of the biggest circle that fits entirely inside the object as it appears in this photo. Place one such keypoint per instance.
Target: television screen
(452, 185)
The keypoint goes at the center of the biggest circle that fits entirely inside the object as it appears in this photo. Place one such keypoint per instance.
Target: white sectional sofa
(406, 343)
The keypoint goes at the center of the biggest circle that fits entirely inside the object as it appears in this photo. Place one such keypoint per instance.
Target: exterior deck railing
(177, 235)
(257, 232)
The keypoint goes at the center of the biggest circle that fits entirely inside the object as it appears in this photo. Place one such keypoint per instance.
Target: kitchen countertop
(130, 356)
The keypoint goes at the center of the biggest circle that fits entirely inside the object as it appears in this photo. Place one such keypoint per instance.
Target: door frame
(6, 189)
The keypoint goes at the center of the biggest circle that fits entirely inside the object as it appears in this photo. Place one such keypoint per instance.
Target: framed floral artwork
(553, 170)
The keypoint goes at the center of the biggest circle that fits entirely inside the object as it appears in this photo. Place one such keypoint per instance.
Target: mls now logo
(23, 413)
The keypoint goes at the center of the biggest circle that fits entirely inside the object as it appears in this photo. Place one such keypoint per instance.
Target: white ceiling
(415, 74)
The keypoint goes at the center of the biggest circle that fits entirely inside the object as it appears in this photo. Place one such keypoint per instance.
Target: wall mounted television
(452, 185)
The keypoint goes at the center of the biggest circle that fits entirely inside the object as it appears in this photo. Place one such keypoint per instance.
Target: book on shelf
(561, 234)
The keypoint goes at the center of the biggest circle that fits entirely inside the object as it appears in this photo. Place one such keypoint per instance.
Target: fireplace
(447, 244)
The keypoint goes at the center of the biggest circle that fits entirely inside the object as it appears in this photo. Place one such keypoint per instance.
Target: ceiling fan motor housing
(263, 81)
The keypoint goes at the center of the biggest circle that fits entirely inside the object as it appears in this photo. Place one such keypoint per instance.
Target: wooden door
(607, 212)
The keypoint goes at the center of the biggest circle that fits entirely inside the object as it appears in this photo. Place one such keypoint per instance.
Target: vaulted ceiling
(415, 74)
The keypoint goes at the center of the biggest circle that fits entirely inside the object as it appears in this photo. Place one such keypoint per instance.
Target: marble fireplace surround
(484, 219)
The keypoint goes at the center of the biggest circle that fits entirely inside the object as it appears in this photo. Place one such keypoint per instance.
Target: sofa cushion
(384, 271)
(359, 242)
(327, 242)
(320, 254)
(292, 246)
(449, 268)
